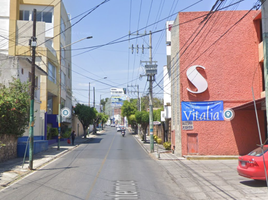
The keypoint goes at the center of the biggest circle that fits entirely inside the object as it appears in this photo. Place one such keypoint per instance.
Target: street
(110, 166)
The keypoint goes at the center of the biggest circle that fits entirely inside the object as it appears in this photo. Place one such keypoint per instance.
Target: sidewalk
(160, 152)
(14, 169)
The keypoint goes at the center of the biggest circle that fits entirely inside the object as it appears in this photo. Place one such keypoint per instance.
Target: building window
(52, 73)
(44, 16)
(24, 15)
(40, 16)
(21, 70)
(47, 17)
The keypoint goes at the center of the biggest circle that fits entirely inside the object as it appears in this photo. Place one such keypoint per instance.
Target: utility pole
(151, 97)
(151, 71)
(89, 94)
(94, 123)
(100, 103)
(31, 132)
(94, 97)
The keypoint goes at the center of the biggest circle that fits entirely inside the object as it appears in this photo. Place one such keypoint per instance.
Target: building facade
(216, 63)
(53, 33)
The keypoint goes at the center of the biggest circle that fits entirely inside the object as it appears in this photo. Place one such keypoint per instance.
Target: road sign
(66, 112)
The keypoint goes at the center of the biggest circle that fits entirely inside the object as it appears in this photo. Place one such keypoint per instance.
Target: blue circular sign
(65, 112)
(228, 114)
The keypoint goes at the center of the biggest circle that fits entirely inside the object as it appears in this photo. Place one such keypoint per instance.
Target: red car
(251, 165)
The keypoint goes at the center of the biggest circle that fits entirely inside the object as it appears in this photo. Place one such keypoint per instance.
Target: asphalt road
(107, 167)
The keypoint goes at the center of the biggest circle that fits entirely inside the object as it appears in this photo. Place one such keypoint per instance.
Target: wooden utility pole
(31, 132)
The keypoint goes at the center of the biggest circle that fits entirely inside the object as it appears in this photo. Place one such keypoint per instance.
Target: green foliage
(157, 115)
(52, 132)
(132, 120)
(2, 145)
(85, 114)
(159, 141)
(167, 145)
(14, 108)
(103, 102)
(157, 103)
(65, 132)
(128, 109)
(101, 118)
(155, 138)
(142, 118)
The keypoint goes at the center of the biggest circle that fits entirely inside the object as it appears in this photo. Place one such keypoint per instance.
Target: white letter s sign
(197, 79)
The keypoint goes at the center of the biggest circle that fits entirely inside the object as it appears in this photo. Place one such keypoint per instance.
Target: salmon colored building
(216, 63)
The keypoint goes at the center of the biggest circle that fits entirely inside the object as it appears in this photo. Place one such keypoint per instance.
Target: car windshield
(258, 151)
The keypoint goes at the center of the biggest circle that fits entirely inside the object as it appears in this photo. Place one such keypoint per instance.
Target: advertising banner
(202, 111)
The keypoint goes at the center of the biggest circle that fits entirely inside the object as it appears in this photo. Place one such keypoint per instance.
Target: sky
(105, 65)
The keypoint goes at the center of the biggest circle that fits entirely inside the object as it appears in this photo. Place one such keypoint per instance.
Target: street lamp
(59, 115)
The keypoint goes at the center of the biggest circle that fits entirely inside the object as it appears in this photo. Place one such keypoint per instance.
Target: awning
(260, 104)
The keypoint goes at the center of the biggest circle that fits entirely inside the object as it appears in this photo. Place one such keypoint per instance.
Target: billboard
(118, 91)
(117, 101)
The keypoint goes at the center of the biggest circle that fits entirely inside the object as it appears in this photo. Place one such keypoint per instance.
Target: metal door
(192, 143)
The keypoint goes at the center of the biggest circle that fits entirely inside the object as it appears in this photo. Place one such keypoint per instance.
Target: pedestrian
(73, 137)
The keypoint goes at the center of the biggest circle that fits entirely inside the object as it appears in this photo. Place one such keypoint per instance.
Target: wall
(231, 70)
(77, 126)
(10, 150)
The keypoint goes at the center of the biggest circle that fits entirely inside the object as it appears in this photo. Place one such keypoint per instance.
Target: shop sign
(202, 111)
(187, 125)
(196, 79)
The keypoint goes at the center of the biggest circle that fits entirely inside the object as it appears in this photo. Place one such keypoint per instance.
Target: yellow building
(53, 32)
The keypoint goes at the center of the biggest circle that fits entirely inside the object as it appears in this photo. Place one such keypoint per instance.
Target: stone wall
(8, 151)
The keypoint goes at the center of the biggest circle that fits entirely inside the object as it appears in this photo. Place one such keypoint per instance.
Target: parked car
(251, 165)
(112, 125)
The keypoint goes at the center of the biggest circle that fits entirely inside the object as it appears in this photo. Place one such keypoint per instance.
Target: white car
(112, 125)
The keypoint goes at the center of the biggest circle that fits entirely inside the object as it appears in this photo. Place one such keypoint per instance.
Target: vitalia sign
(197, 79)
(202, 111)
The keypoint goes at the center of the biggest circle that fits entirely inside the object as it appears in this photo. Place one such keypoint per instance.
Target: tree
(157, 114)
(101, 118)
(14, 108)
(157, 103)
(128, 109)
(132, 121)
(103, 102)
(142, 118)
(86, 115)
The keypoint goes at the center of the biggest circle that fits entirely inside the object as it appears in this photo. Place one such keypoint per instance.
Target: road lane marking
(102, 164)
(125, 190)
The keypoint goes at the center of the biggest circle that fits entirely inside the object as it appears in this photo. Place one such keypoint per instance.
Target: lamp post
(59, 115)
